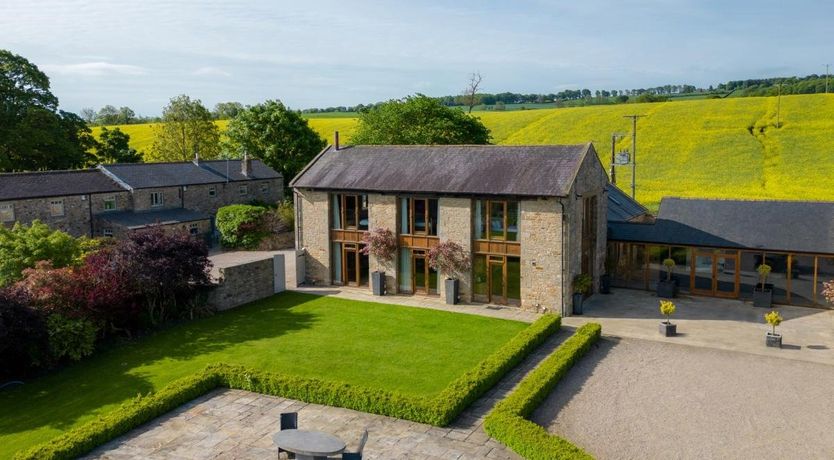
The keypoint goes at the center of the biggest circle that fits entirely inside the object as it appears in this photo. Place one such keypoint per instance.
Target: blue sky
(319, 53)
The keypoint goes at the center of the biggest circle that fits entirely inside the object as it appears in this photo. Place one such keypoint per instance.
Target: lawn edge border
(439, 410)
(507, 422)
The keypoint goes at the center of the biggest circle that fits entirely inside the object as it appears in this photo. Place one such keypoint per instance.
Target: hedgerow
(439, 410)
(507, 422)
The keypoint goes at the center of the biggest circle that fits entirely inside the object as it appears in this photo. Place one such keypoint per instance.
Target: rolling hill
(716, 148)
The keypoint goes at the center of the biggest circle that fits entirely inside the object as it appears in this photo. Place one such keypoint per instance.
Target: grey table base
(309, 445)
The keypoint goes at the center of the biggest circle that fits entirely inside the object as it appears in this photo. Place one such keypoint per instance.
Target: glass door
(420, 276)
(497, 288)
(715, 274)
(351, 268)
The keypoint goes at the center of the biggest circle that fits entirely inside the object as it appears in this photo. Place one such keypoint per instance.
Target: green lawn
(411, 350)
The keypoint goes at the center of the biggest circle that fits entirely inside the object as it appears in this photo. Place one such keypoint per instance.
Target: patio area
(808, 333)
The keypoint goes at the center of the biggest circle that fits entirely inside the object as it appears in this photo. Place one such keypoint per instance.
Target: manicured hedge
(440, 410)
(507, 421)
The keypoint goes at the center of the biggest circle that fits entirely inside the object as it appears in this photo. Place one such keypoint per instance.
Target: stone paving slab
(235, 424)
(808, 333)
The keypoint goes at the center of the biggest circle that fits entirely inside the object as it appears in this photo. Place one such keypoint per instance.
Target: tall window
(6, 212)
(56, 208)
(589, 234)
(497, 220)
(110, 203)
(157, 199)
(418, 216)
(350, 212)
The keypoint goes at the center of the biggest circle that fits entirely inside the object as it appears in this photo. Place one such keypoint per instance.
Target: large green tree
(418, 120)
(114, 147)
(187, 127)
(275, 134)
(34, 134)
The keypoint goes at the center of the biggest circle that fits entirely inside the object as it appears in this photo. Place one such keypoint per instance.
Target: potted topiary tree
(668, 288)
(763, 293)
(581, 288)
(382, 244)
(773, 339)
(667, 309)
(450, 259)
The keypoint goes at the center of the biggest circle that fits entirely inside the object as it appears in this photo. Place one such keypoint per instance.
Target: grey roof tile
(151, 175)
(541, 170)
(798, 226)
(18, 186)
(621, 208)
(133, 219)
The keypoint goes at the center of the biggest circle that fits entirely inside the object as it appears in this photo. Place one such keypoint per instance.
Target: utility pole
(778, 105)
(826, 78)
(633, 153)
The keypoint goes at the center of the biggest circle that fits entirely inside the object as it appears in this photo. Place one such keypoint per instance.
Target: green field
(414, 351)
(715, 148)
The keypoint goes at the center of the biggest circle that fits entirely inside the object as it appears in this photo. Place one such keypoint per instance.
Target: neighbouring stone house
(113, 199)
(532, 217)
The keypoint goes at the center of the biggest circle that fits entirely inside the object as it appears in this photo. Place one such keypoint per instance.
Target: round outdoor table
(308, 445)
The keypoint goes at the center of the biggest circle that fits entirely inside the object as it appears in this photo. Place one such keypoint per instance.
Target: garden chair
(357, 455)
(289, 421)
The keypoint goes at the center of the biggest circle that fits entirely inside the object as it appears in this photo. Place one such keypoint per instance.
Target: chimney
(196, 156)
(336, 139)
(246, 164)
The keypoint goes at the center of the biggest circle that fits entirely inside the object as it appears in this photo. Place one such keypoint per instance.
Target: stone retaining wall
(241, 284)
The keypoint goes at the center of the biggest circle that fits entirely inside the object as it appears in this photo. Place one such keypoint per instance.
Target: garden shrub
(72, 338)
(22, 246)
(241, 225)
(507, 422)
(439, 410)
(23, 338)
(286, 213)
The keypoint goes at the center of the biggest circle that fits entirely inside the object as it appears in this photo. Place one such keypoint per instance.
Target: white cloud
(211, 71)
(94, 69)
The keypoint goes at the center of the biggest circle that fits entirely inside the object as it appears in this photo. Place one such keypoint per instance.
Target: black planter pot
(378, 282)
(577, 304)
(762, 298)
(773, 340)
(667, 289)
(452, 291)
(668, 329)
(605, 284)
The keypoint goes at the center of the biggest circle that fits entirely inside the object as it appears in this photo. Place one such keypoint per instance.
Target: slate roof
(793, 226)
(621, 208)
(151, 175)
(18, 186)
(133, 220)
(541, 170)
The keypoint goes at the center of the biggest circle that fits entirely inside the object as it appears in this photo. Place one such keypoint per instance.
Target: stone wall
(124, 202)
(382, 212)
(312, 227)
(241, 284)
(197, 197)
(75, 220)
(455, 224)
(172, 198)
(101, 223)
(541, 254)
(590, 181)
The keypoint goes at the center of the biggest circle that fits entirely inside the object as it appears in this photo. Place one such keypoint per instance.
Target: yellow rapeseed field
(716, 148)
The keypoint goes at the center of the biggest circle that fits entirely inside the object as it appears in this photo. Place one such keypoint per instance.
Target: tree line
(110, 115)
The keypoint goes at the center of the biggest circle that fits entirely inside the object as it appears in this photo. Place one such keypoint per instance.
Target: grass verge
(437, 410)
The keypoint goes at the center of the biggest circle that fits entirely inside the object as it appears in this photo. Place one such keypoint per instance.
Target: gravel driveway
(633, 398)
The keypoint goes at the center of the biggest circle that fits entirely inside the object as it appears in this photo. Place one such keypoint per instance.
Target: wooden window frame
(488, 216)
(426, 216)
(360, 202)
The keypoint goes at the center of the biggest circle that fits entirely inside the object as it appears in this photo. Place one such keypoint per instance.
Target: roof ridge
(746, 200)
(49, 171)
